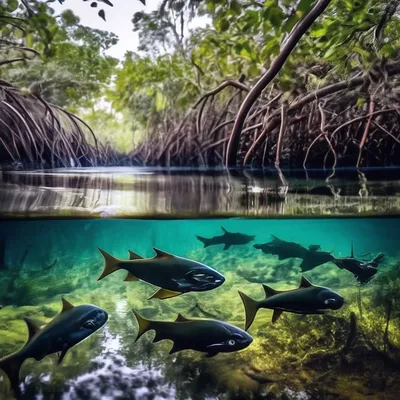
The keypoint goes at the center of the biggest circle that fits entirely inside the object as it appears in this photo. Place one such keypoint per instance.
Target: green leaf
(223, 25)
(304, 5)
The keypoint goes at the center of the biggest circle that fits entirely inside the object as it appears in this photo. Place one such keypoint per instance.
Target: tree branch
(300, 29)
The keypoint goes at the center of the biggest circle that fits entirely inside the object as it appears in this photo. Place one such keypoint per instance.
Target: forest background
(176, 100)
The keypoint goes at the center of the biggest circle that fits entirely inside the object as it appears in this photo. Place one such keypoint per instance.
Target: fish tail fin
(250, 308)
(257, 246)
(110, 266)
(205, 241)
(144, 324)
(11, 366)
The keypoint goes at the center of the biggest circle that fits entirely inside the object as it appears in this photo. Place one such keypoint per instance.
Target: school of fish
(175, 276)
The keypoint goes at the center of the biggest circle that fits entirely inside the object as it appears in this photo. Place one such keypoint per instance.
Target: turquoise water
(349, 353)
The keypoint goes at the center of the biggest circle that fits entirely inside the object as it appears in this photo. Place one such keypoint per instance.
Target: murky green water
(343, 354)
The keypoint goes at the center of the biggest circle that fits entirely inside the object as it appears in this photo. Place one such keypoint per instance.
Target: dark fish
(68, 328)
(205, 335)
(307, 299)
(282, 249)
(363, 271)
(174, 275)
(311, 257)
(228, 239)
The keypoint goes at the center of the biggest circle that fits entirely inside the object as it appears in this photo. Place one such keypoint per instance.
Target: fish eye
(231, 342)
(89, 324)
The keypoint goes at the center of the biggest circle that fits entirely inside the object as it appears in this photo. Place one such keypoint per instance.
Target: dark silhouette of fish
(68, 328)
(363, 271)
(228, 239)
(312, 257)
(174, 275)
(306, 299)
(282, 248)
(204, 335)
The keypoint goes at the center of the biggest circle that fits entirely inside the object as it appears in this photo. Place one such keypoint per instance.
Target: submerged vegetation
(349, 353)
(204, 96)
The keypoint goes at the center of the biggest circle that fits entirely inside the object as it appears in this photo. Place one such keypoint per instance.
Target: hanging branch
(298, 31)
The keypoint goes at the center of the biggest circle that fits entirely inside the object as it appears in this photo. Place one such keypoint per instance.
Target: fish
(306, 299)
(312, 257)
(68, 328)
(228, 239)
(363, 271)
(172, 274)
(282, 248)
(203, 335)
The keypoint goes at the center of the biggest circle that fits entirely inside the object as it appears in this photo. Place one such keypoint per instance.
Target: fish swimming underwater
(363, 271)
(174, 275)
(204, 335)
(282, 248)
(306, 299)
(228, 239)
(68, 328)
(312, 257)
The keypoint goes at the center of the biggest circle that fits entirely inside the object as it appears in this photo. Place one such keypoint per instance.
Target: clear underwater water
(331, 356)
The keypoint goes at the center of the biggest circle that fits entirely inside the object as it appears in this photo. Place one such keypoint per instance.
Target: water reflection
(127, 192)
(112, 378)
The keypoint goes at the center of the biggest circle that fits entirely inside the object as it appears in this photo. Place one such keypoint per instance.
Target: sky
(118, 20)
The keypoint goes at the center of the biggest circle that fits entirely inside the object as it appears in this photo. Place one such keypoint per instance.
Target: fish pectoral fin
(61, 356)
(211, 354)
(276, 315)
(163, 294)
(226, 247)
(131, 278)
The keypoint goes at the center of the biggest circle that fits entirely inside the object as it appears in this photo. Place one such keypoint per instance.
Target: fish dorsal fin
(305, 283)
(134, 256)
(181, 318)
(66, 305)
(269, 291)
(33, 328)
(352, 250)
(224, 230)
(160, 253)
